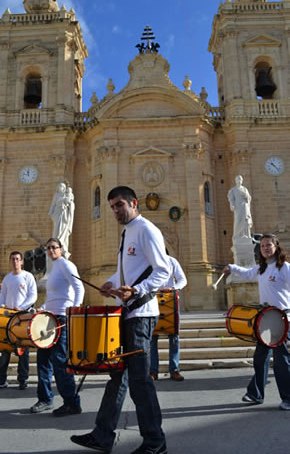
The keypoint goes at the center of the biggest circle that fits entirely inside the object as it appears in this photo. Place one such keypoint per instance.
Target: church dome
(40, 6)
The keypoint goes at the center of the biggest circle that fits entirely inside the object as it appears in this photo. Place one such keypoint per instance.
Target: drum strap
(145, 298)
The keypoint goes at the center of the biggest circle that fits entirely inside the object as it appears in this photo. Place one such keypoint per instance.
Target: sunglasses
(48, 248)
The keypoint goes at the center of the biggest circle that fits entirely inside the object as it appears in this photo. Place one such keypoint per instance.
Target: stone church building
(178, 152)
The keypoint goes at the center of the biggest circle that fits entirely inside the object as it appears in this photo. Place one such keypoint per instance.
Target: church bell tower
(42, 55)
(42, 65)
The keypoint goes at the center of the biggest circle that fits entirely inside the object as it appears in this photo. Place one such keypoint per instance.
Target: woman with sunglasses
(273, 275)
(63, 290)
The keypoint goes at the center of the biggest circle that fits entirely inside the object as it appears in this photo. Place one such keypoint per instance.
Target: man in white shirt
(177, 281)
(142, 269)
(18, 292)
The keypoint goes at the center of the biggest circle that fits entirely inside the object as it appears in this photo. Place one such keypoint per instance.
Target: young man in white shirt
(19, 292)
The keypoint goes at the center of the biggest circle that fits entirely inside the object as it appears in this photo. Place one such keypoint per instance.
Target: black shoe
(251, 400)
(151, 450)
(22, 385)
(88, 441)
(40, 406)
(66, 410)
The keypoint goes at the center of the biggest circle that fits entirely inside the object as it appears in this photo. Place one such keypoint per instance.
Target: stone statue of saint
(240, 203)
(62, 214)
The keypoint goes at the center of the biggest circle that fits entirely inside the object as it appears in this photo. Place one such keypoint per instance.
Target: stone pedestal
(243, 250)
(242, 293)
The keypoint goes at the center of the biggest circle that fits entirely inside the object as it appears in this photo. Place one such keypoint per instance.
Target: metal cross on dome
(150, 46)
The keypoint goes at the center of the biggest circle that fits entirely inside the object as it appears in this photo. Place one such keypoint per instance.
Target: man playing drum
(18, 291)
(142, 269)
(273, 274)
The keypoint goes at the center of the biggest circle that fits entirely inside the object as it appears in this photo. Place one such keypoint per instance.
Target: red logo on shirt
(131, 249)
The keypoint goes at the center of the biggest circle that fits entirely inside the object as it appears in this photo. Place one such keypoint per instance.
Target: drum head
(271, 327)
(43, 329)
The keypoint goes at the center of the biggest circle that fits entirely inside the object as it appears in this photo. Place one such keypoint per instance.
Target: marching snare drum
(94, 340)
(268, 325)
(39, 330)
(168, 322)
(5, 316)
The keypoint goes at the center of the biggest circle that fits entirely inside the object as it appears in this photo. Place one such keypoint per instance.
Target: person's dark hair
(55, 240)
(16, 253)
(124, 191)
(280, 255)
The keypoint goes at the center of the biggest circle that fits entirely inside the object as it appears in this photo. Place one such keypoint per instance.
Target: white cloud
(116, 29)
(169, 44)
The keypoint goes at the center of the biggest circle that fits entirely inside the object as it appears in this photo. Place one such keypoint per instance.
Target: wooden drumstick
(214, 286)
(91, 285)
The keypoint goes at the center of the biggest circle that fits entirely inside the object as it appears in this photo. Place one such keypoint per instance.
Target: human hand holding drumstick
(225, 273)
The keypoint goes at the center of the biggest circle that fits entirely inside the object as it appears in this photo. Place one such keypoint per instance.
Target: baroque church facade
(178, 152)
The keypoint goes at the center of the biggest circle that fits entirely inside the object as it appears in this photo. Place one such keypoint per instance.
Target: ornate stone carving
(40, 6)
(152, 174)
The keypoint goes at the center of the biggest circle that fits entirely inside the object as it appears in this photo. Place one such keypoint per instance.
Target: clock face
(28, 174)
(274, 165)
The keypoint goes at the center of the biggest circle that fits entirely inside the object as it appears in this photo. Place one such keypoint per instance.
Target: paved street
(202, 415)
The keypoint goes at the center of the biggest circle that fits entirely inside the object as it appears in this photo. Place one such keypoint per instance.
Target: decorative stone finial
(110, 87)
(187, 83)
(40, 6)
(94, 100)
(150, 46)
(203, 94)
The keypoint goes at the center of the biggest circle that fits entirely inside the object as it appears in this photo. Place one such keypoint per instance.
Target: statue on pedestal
(62, 214)
(240, 203)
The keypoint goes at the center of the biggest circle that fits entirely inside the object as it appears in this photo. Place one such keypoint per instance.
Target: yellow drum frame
(168, 322)
(5, 316)
(94, 339)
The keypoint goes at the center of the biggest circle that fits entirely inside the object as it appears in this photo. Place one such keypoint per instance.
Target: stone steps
(204, 343)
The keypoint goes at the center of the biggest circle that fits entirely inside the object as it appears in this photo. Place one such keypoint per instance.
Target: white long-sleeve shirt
(18, 291)
(143, 246)
(274, 284)
(177, 278)
(62, 289)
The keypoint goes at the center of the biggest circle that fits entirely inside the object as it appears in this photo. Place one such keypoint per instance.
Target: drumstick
(45, 333)
(91, 285)
(214, 286)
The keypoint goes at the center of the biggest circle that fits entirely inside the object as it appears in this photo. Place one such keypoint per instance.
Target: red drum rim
(95, 310)
(285, 323)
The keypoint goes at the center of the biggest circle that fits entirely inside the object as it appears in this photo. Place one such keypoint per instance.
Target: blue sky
(112, 28)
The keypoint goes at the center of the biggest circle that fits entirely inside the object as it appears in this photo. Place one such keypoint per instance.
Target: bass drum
(94, 339)
(268, 325)
(39, 330)
(168, 322)
(5, 316)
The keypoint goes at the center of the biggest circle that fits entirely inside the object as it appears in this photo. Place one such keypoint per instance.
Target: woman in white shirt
(273, 274)
(63, 290)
